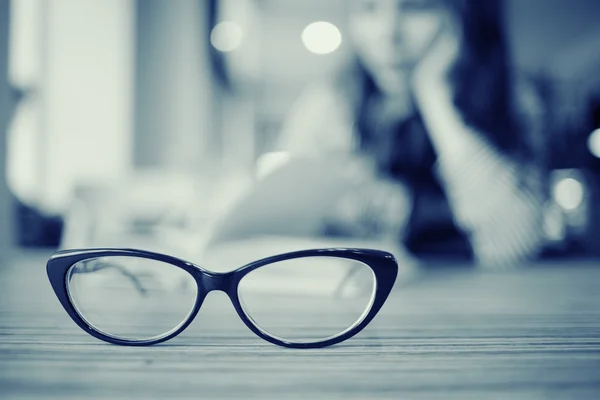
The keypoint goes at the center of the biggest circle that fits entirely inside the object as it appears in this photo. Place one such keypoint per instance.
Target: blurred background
(129, 122)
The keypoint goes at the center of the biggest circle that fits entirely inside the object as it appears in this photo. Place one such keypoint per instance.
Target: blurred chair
(151, 209)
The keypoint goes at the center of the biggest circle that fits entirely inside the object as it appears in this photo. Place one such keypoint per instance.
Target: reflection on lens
(131, 298)
(308, 299)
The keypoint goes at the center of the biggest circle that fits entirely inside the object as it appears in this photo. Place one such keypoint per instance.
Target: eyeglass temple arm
(132, 278)
(346, 279)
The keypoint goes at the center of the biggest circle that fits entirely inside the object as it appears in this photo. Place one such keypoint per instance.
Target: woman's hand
(433, 93)
(433, 70)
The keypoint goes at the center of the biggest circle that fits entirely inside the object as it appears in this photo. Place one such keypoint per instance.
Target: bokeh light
(321, 37)
(594, 143)
(226, 36)
(569, 193)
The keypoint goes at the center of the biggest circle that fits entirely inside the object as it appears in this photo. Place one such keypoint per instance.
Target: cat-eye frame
(303, 299)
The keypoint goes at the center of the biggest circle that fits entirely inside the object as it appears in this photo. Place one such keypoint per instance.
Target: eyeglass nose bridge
(216, 281)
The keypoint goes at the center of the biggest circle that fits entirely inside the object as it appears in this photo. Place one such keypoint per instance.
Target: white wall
(87, 89)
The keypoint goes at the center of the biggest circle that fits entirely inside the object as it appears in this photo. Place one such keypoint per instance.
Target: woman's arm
(494, 199)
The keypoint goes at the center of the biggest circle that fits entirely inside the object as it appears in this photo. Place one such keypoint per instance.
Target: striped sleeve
(494, 199)
(492, 203)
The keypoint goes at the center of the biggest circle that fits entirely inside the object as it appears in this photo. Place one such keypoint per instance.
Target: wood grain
(452, 334)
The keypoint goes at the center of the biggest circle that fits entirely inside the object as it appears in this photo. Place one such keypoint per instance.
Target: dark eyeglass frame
(383, 265)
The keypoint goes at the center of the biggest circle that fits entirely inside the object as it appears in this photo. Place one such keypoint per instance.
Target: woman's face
(391, 36)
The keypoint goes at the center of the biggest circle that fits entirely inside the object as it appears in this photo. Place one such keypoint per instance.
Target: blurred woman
(431, 105)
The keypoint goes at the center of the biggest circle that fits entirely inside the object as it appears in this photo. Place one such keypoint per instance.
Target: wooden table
(452, 334)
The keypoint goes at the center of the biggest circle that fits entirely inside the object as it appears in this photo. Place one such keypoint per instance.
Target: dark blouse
(402, 150)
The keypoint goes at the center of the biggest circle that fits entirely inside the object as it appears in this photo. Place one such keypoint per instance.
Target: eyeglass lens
(131, 298)
(307, 299)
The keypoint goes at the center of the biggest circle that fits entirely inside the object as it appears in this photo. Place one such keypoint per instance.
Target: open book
(293, 199)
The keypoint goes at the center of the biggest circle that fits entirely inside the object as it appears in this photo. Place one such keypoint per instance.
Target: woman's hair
(481, 79)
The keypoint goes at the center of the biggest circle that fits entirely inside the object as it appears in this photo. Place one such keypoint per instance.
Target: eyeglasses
(302, 299)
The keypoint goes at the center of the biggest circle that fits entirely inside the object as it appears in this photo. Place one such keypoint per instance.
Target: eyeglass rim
(382, 264)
